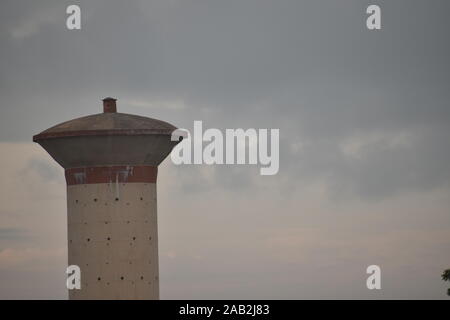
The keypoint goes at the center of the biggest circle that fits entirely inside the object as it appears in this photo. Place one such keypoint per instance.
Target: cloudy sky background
(364, 121)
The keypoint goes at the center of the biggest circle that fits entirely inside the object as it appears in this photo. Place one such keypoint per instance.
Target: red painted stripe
(111, 174)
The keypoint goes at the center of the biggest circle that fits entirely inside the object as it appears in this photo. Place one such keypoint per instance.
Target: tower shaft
(112, 231)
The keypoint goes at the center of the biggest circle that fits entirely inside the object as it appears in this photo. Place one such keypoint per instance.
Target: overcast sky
(364, 119)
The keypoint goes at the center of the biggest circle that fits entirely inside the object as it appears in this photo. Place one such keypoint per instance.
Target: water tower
(111, 163)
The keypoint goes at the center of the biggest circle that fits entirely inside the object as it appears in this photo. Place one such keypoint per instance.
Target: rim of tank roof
(111, 132)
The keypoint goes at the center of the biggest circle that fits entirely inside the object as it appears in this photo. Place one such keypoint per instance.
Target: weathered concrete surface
(100, 123)
(113, 238)
(86, 151)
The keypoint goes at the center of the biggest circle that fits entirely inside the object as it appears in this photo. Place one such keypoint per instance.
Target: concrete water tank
(111, 163)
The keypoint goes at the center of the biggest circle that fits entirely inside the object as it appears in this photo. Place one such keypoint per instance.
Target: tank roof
(109, 122)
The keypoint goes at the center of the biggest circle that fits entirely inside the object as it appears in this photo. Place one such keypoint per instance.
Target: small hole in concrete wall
(95, 199)
(149, 238)
(70, 241)
(121, 278)
(88, 239)
(142, 198)
(130, 262)
(106, 262)
(142, 278)
(87, 264)
(106, 222)
(128, 221)
(107, 283)
(128, 203)
(109, 238)
(99, 278)
(134, 238)
(117, 199)
(76, 201)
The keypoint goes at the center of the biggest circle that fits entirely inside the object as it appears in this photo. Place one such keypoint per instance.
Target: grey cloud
(364, 113)
(310, 69)
(12, 234)
(45, 169)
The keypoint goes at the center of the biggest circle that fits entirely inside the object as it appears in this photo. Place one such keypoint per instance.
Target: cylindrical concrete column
(112, 231)
(110, 162)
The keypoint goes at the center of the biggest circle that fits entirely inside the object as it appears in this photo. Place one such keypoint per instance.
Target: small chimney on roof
(109, 105)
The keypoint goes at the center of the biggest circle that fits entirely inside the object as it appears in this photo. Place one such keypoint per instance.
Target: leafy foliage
(446, 275)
